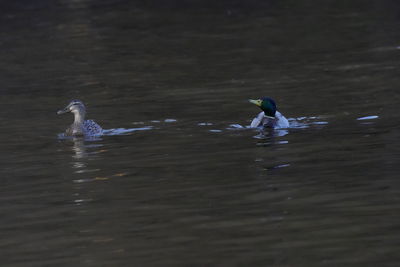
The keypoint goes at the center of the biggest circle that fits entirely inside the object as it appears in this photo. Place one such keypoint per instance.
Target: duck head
(267, 105)
(76, 107)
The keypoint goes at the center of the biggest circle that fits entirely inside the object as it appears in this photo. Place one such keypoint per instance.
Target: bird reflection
(273, 158)
(79, 149)
(271, 134)
(80, 156)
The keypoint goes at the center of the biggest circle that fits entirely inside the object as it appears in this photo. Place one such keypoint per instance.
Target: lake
(178, 180)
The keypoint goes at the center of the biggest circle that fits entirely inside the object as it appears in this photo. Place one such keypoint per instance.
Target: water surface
(173, 183)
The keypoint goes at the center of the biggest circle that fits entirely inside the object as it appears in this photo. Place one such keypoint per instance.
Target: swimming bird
(269, 117)
(80, 125)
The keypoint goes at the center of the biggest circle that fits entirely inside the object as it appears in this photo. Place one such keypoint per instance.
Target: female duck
(269, 117)
(80, 126)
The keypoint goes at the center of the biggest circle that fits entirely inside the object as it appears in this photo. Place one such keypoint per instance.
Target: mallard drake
(269, 117)
(80, 126)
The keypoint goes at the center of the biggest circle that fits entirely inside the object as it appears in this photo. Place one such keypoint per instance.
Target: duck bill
(62, 111)
(256, 102)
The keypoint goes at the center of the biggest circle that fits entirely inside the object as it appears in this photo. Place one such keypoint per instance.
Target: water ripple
(372, 117)
(123, 131)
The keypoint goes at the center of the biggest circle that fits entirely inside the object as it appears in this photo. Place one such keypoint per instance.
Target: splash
(125, 131)
(372, 117)
(306, 122)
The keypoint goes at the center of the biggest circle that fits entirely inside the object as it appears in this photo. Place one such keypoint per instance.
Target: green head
(267, 105)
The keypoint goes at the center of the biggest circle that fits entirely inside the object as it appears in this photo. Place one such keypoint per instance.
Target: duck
(80, 126)
(269, 117)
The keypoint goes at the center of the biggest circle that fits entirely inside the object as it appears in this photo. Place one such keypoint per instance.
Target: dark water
(184, 189)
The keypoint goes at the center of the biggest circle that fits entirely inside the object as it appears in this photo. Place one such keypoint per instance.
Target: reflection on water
(80, 147)
(178, 179)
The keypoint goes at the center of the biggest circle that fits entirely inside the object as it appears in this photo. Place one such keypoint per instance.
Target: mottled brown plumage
(80, 126)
